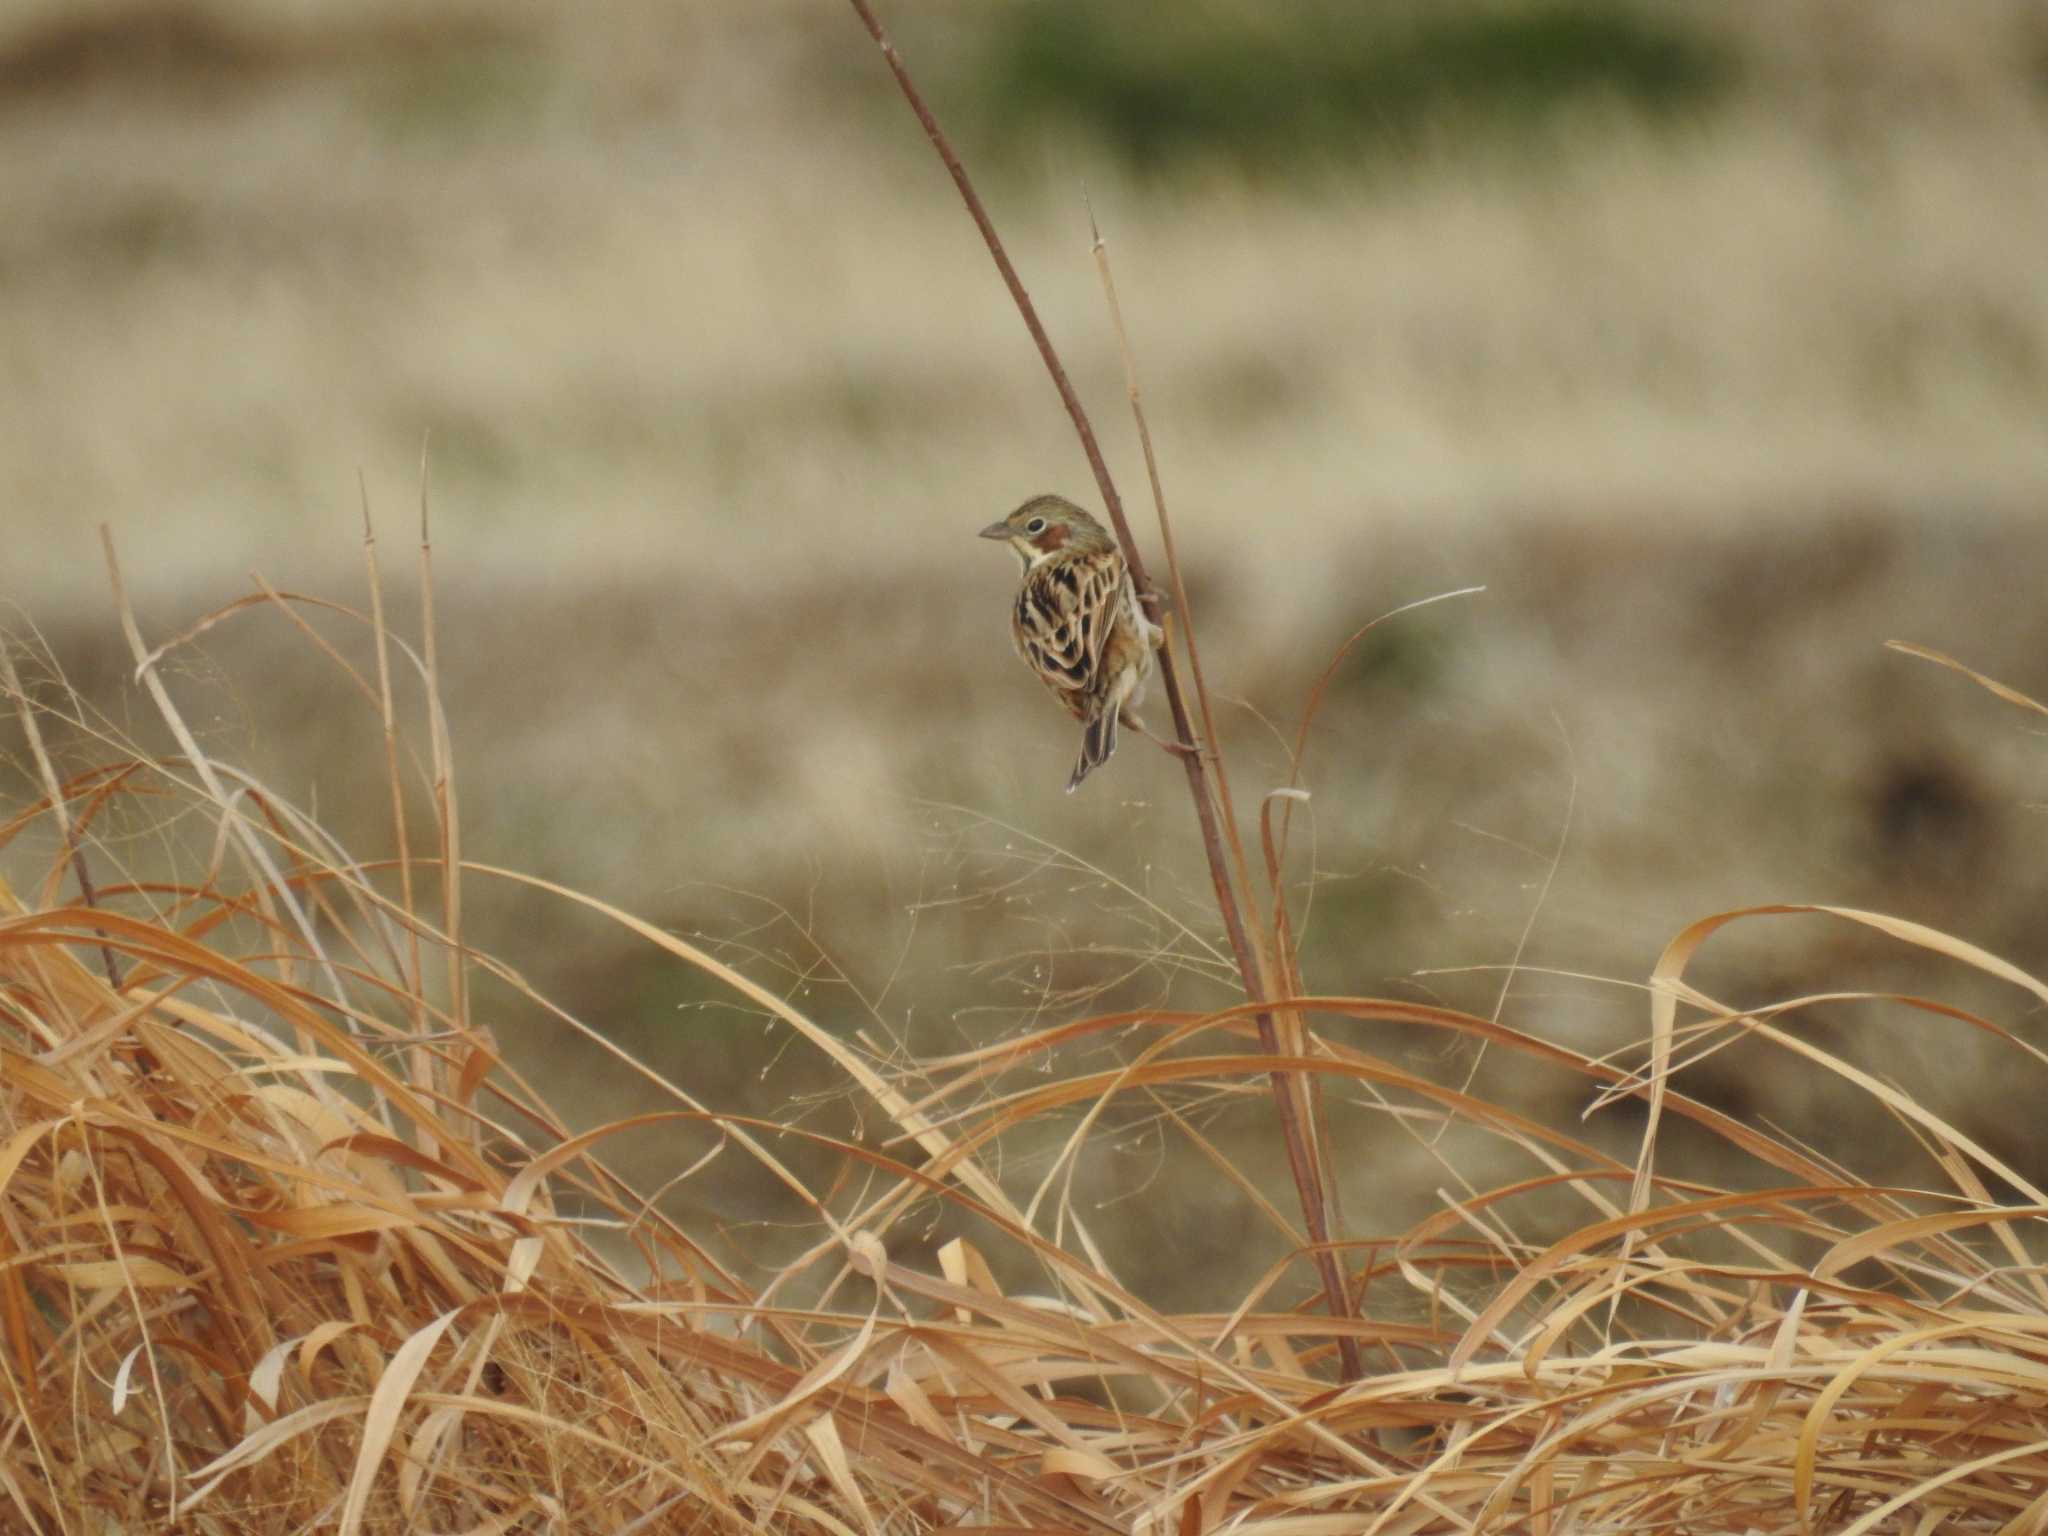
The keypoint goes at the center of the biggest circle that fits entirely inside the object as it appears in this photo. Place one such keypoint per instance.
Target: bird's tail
(1098, 740)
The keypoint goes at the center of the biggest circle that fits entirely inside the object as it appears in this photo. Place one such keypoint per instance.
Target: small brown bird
(1078, 623)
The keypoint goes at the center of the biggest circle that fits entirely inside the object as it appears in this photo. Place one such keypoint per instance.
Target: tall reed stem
(1301, 1154)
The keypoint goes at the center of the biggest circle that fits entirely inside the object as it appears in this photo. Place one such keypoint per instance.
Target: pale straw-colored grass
(290, 1246)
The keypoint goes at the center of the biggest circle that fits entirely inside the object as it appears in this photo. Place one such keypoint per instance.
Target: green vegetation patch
(1167, 85)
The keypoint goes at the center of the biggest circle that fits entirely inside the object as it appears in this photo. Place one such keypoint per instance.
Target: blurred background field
(1710, 341)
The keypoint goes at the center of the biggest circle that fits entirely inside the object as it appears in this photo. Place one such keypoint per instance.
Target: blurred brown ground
(717, 385)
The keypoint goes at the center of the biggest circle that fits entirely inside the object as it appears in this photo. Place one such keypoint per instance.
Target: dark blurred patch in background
(1316, 88)
(1709, 340)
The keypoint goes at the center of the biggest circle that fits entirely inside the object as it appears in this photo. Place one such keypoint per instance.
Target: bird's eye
(1035, 526)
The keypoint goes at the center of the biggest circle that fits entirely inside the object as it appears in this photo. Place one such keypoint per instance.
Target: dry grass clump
(288, 1246)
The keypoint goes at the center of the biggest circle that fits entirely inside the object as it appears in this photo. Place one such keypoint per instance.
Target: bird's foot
(1177, 748)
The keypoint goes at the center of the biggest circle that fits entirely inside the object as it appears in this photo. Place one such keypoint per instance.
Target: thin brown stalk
(444, 774)
(1300, 1154)
(389, 719)
(1100, 248)
(1274, 950)
(1315, 702)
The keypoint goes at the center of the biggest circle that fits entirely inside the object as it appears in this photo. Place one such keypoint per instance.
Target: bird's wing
(1065, 612)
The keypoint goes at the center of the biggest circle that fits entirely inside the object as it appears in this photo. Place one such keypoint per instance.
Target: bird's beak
(1000, 530)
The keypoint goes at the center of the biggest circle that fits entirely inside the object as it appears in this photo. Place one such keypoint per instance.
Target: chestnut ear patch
(1053, 538)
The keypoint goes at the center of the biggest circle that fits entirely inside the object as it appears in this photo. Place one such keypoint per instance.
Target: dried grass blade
(1925, 653)
(14, 1311)
(1806, 1452)
(442, 747)
(380, 1420)
(1953, 1473)
(830, 1450)
(762, 1427)
(416, 1466)
(253, 1447)
(1855, 1249)
(426, 1071)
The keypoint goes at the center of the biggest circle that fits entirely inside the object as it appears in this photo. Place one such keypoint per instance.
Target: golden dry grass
(291, 1246)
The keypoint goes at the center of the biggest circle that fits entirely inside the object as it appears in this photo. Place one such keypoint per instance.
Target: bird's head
(1046, 526)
